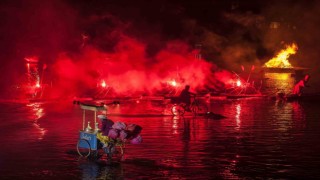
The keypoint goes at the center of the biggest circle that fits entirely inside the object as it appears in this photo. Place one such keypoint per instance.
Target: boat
(245, 96)
(310, 97)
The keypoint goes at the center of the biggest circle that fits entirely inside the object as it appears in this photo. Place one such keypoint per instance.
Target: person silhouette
(185, 97)
(297, 90)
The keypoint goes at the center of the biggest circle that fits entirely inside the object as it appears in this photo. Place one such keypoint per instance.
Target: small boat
(245, 96)
(311, 97)
(212, 115)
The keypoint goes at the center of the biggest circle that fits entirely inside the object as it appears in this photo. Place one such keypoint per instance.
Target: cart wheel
(177, 110)
(83, 148)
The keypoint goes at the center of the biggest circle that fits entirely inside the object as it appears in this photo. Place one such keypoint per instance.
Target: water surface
(259, 138)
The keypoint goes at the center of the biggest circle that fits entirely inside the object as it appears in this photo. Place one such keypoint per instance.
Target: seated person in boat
(297, 90)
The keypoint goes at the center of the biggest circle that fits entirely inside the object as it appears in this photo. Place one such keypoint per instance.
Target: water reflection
(238, 113)
(36, 113)
(175, 124)
(279, 82)
(289, 115)
(99, 170)
(258, 138)
(298, 112)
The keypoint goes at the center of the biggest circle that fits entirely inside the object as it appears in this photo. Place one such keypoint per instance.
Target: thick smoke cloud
(128, 70)
(139, 46)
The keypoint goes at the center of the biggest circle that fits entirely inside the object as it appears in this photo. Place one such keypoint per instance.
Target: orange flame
(281, 60)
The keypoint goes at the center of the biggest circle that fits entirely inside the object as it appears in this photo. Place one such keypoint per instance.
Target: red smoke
(128, 71)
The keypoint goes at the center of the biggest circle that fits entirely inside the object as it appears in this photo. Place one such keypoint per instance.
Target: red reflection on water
(241, 112)
(238, 119)
(298, 111)
(36, 112)
(255, 137)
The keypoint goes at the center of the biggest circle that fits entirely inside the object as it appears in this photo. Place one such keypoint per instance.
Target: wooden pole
(83, 121)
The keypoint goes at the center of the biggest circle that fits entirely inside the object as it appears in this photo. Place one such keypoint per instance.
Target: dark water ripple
(258, 139)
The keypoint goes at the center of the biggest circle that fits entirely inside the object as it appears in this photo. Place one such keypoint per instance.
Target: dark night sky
(231, 32)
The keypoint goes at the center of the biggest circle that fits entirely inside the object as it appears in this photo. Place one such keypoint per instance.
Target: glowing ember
(173, 83)
(281, 60)
(103, 84)
(32, 59)
(238, 83)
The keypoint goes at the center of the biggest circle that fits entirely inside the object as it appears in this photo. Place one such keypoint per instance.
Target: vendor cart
(89, 144)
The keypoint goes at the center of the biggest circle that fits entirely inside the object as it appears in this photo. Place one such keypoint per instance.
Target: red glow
(103, 84)
(173, 83)
(239, 83)
(44, 66)
(252, 68)
(129, 71)
(32, 59)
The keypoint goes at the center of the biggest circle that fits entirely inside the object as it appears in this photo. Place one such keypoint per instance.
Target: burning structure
(281, 60)
(280, 75)
(142, 47)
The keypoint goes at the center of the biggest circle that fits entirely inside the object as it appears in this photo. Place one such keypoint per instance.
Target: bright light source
(173, 83)
(281, 59)
(103, 84)
(238, 83)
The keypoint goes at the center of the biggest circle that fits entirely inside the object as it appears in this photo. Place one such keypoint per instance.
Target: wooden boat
(312, 97)
(245, 96)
